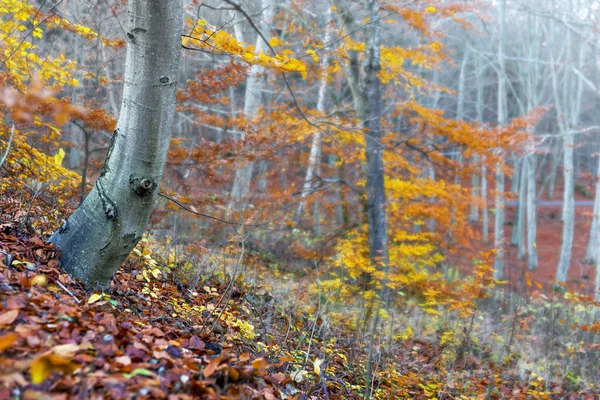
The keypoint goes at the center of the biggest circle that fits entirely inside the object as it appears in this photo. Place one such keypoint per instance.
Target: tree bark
(518, 238)
(378, 235)
(532, 260)
(252, 103)
(592, 249)
(315, 148)
(101, 233)
(502, 120)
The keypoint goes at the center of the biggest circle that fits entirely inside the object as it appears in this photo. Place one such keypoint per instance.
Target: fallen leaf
(211, 367)
(259, 364)
(94, 298)
(45, 364)
(8, 317)
(317, 366)
(123, 360)
(7, 340)
(196, 343)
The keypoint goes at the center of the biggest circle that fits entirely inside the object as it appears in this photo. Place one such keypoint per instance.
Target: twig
(195, 212)
(10, 139)
(63, 287)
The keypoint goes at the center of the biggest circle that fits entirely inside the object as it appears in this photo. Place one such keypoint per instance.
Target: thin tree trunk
(568, 109)
(315, 148)
(532, 253)
(252, 102)
(519, 237)
(375, 188)
(592, 249)
(101, 233)
(484, 199)
(502, 120)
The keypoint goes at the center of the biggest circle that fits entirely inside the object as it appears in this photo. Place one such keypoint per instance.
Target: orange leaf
(259, 363)
(211, 367)
(7, 340)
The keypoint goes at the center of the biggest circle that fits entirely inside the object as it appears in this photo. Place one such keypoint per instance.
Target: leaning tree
(101, 233)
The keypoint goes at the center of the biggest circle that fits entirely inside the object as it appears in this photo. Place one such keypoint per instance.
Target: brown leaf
(8, 317)
(211, 367)
(196, 343)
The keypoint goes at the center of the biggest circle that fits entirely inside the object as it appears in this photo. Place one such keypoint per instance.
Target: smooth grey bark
(315, 148)
(502, 120)
(376, 196)
(252, 103)
(101, 233)
(480, 118)
(375, 185)
(533, 76)
(568, 108)
(597, 280)
(592, 249)
(532, 253)
(518, 237)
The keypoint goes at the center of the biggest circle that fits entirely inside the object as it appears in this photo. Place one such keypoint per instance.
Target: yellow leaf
(274, 42)
(45, 364)
(430, 9)
(317, 366)
(312, 53)
(94, 298)
(59, 157)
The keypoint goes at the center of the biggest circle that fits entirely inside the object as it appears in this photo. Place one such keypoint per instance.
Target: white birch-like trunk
(502, 119)
(592, 249)
(315, 148)
(532, 253)
(101, 233)
(252, 103)
(568, 108)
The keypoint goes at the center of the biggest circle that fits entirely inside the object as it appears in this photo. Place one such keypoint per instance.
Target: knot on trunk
(141, 185)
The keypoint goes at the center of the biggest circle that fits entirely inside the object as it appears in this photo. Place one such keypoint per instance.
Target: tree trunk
(519, 230)
(568, 109)
(101, 233)
(502, 120)
(378, 235)
(315, 148)
(532, 253)
(592, 249)
(252, 103)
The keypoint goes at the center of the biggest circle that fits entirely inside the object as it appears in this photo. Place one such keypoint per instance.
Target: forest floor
(549, 238)
(152, 337)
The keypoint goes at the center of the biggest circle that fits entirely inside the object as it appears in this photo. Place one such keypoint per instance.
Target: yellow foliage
(209, 38)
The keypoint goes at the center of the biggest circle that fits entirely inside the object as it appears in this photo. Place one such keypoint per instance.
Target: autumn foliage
(258, 301)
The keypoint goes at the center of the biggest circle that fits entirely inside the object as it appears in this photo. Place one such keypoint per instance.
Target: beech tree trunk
(502, 120)
(252, 103)
(315, 148)
(378, 235)
(519, 229)
(568, 107)
(532, 254)
(592, 249)
(101, 233)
